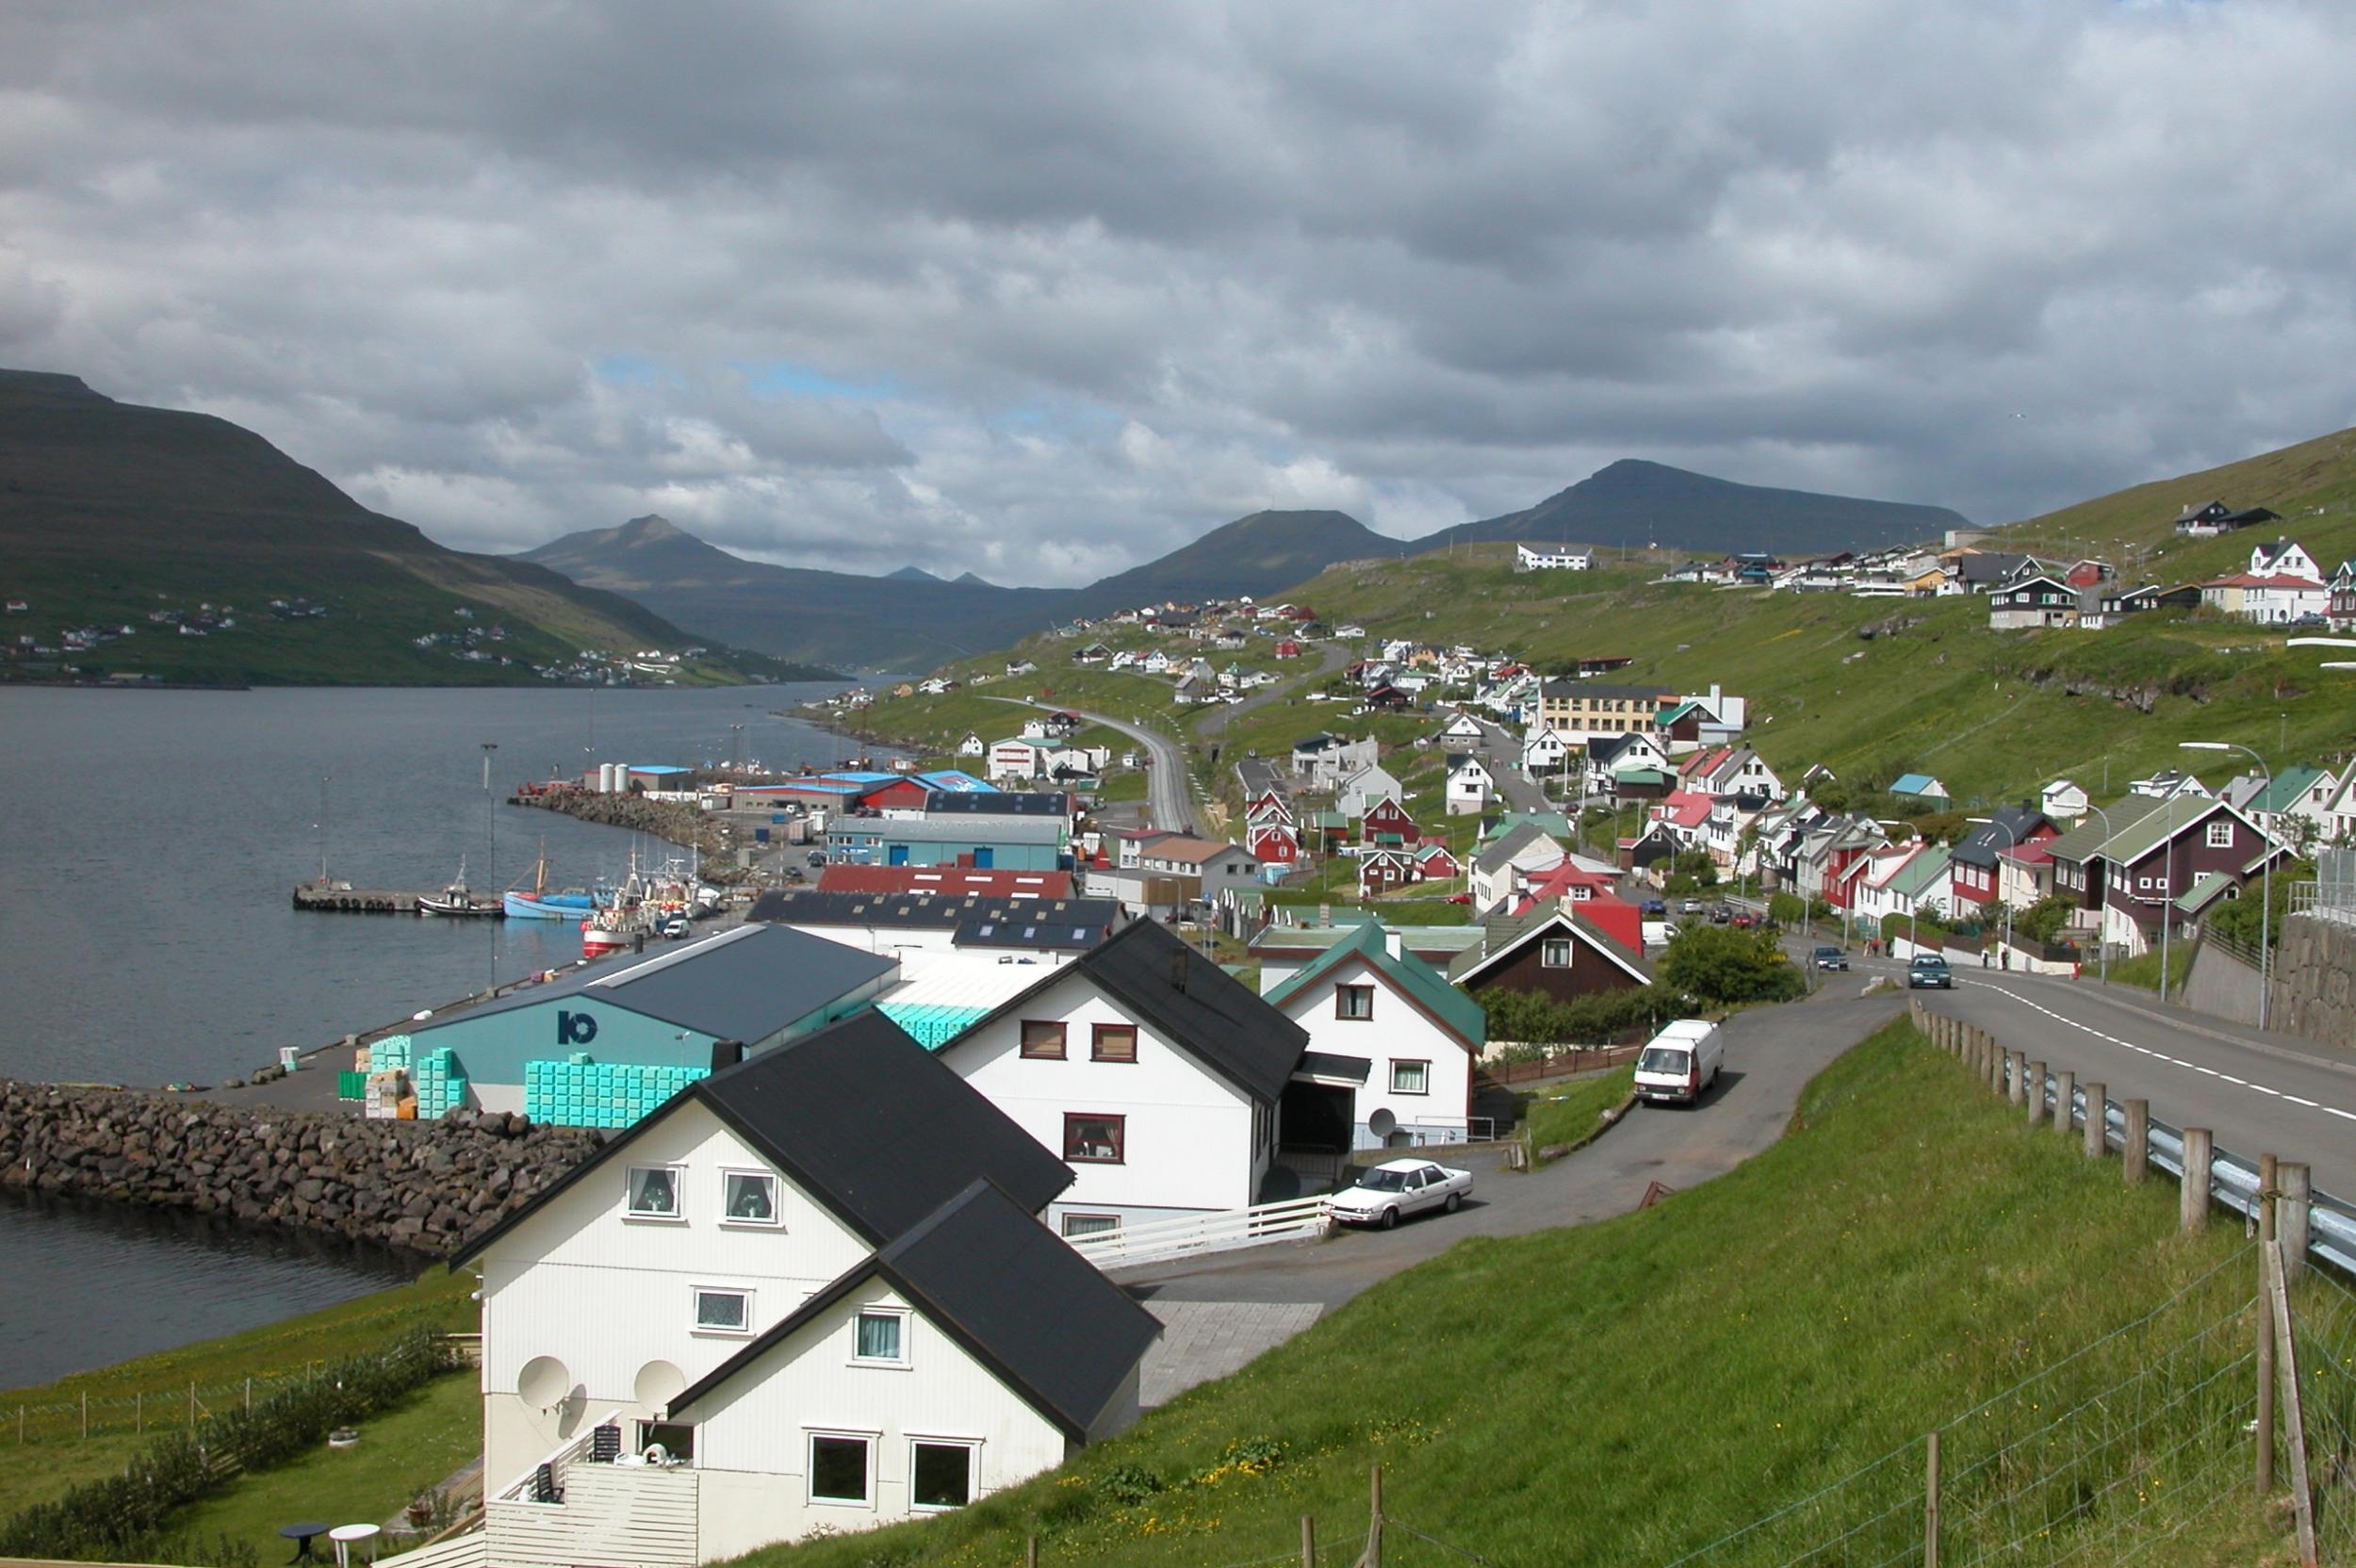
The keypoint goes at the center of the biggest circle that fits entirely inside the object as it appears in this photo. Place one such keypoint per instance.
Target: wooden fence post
(249, 1396)
(1308, 1542)
(20, 1426)
(2295, 1415)
(2192, 1210)
(138, 1414)
(1930, 1502)
(2098, 1120)
(2291, 1214)
(2264, 1424)
(2016, 1062)
(2138, 1155)
(86, 1415)
(1030, 1552)
(1374, 1523)
(191, 1404)
(1995, 1062)
(2065, 1102)
(2033, 1092)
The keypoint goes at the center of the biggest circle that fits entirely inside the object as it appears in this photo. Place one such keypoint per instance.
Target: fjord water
(151, 845)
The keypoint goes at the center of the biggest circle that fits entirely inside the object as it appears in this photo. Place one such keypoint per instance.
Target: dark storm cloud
(1043, 290)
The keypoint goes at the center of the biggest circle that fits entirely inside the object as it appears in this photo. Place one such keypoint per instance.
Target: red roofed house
(1683, 813)
(1288, 649)
(1387, 823)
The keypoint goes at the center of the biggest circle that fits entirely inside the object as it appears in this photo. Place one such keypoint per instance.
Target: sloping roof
(1554, 825)
(2288, 788)
(1190, 1000)
(1501, 851)
(956, 827)
(1193, 852)
(922, 911)
(2203, 893)
(1451, 1009)
(997, 802)
(955, 881)
(1504, 936)
(1917, 784)
(2007, 825)
(1605, 690)
(1041, 1318)
(864, 1119)
(1919, 872)
(2085, 841)
(741, 984)
(2154, 829)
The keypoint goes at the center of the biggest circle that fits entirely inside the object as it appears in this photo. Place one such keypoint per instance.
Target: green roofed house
(1554, 825)
(1283, 950)
(1391, 1048)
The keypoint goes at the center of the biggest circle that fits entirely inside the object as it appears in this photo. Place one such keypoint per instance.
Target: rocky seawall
(424, 1185)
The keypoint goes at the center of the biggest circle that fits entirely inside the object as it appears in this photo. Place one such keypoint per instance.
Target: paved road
(2260, 1092)
(1771, 1055)
(1501, 751)
(1170, 800)
(1212, 725)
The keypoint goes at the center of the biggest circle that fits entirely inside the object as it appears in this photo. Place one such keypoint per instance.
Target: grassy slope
(1908, 1252)
(1567, 1113)
(217, 1367)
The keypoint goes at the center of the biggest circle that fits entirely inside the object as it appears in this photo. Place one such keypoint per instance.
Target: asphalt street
(1501, 753)
(1771, 1052)
(1169, 801)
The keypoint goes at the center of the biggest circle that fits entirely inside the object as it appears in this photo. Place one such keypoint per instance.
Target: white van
(1680, 1062)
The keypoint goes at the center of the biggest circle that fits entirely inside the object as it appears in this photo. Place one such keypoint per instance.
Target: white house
(1553, 557)
(1461, 730)
(972, 745)
(1362, 789)
(1150, 1070)
(1527, 850)
(1469, 785)
(2282, 558)
(808, 1291)
(1544, 750)
(1391, 1047)
(2064, 800)
(1020, 757)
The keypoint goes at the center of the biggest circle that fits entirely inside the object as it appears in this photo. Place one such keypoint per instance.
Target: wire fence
(2096, 1458)
(2325, 1333)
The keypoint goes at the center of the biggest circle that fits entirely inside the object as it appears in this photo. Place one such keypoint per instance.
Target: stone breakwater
(424, 1185)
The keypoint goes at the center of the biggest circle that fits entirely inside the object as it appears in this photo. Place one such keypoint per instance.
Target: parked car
(675, 926)
(1742, 921)
(817, 856)
(1692, 906)
(1929, 969)
(1831, 958)
(1460, 898)
(1723, 915)
(1656, 908)
(1397, 1187)
(1680, 1062)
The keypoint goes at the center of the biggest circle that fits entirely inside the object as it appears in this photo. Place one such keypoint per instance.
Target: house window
(748, 1197)
(1411, 1077)
(1353, 1002)
(882, 1338)
(678, 1438)
(839, 1469)
(1078, 1225)
(722, 1310)
(2221, 835)
(1094, 1139)
(1555, 952)
(654, 1192)
(1113, 1042)
(1042, 1040)
(941, 1473)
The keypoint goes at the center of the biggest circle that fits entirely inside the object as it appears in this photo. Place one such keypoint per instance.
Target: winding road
(1169, 797)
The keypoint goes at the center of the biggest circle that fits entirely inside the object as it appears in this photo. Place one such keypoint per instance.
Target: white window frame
(777, 1205)
(2223, 826)
(678, 1214)
(899, 1363)
(1110, 1224)
(1424, 1063)
(1546, 946)
(696, 1325)
(809, 1466)
(973, 1447)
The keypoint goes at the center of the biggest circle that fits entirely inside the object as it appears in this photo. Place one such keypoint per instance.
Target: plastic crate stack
(579, 1092)
(931, 1024)
(440, 1085)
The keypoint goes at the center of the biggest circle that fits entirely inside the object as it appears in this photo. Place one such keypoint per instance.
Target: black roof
(1189, 1000)
(864, 1119)
(984, 803)
(932, 911)
(1011, 1292)
(1030, 932)
(1990, 565)
(1328, 1064)
(2009, 826)
(741, 984)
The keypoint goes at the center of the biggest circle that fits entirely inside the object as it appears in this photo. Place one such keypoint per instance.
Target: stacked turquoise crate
(440, 1085)
(389, 1052)
(583, 1093)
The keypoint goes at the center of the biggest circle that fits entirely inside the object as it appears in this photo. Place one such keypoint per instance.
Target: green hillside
(114, 516)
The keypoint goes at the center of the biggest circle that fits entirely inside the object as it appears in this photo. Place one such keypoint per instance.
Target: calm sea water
(150, 846)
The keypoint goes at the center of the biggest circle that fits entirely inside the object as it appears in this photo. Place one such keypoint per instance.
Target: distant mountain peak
(26, 388)
(974, 580)
(654, 525)
(910, 574)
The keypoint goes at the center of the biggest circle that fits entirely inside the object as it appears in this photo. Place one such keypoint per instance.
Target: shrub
(1721, 964)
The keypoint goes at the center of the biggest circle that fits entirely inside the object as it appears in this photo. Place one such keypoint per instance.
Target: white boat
(459, 901)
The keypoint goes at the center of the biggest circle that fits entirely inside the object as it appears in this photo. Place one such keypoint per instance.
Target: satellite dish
(544, 1382)
(658, 1384)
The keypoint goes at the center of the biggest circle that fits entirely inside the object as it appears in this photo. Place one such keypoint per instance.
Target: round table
(346, 1536)
(303, 1535)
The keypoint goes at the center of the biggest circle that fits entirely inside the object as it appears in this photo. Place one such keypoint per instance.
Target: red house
(1273, 842)
(1386, 824)
(1288, 649)
(1381, 869)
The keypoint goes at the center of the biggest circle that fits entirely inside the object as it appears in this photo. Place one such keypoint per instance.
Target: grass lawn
(2143, 970)
(401, 1453)
(1569, 1113)
(54, 1457)
(1910, 1257)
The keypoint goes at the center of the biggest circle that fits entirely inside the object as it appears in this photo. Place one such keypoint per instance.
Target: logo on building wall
(575, 1028)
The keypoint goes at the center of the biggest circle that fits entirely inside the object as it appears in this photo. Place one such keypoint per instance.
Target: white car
(1397, 1187)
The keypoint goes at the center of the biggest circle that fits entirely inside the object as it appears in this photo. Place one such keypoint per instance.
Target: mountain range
(911, 618)
(110, 511)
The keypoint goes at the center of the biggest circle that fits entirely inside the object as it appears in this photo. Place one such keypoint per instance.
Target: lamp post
(2012, 835)
(491, 811)
(2266, 909)
(2102, 924)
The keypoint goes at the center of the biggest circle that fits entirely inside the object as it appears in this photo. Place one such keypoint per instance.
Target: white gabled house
(1461, 729)
(1152, 1073)
(1353, 795)
(1545, 750)
(1469, 785)
(810, 1290)
(1391, 1048)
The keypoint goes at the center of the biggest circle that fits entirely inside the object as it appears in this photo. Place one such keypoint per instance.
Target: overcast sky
(1043, 291)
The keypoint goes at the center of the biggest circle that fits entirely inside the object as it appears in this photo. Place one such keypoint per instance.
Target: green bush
(1721, 964)
(1533, 1019)
(123, 1518)
(1787, 909)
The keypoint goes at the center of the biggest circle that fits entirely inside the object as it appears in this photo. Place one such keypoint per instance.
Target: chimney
(1178, 968)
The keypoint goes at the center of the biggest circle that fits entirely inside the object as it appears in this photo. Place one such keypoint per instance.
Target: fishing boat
(458, 900)
(540, 903)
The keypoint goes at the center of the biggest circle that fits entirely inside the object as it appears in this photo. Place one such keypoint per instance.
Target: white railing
(1158, 1240)
(471, 1550)
(557, 1460)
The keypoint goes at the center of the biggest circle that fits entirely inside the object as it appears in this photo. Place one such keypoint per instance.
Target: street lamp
(2012, 835)
(2266, 909)
(2102, 913)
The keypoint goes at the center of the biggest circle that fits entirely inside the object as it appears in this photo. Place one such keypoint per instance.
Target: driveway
(1771, 1055)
